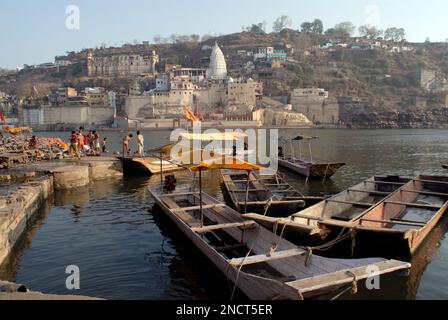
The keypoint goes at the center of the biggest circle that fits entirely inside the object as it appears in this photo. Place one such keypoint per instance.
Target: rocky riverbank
(414, 119)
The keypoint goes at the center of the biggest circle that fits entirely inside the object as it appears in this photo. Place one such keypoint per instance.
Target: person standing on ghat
(126, 142)
(74, 146)
(141, 144)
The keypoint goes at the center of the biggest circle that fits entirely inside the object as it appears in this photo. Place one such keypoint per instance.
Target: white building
(218, 67)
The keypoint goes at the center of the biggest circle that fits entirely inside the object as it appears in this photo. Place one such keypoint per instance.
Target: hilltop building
(209, 90)
(123, 65)
(316, 105)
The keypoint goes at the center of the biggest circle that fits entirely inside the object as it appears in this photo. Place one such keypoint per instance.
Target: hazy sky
(34, 31)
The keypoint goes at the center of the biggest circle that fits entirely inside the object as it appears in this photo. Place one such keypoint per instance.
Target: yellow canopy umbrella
(224, 162)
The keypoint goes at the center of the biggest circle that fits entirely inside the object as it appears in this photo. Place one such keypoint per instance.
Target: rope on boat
(353, 287)
(326, 172)
(241, 266)
(268, 205)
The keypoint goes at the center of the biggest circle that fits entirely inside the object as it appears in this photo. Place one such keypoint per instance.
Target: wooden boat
(399, 223)
(278, 184)
(262, 265)
(307, 168)
(345, 206)
(147, 166)
(260, 198)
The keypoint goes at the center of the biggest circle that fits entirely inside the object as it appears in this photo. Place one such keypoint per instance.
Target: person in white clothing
(141, 143)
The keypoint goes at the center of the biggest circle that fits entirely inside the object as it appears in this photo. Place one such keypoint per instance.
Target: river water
(125, 249)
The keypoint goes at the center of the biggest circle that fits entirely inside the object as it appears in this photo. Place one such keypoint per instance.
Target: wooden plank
(304, 216)
(245, 224)
(230, 247)
(395, 222)
(386, 183)
(430, 181)
(237, 262)
(250, 190)
(271, 202)
(189, 220)
(426, 193)
(354, 203)
(345, 276)
(414, 205)
(375, 193)
(210, 206)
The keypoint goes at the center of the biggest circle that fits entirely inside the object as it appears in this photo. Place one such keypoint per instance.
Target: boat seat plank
(414, 205)
(387, 183)
(244, 190)
(230, 247)
(430, 181)
(194, 208)
(244, 224)
(426, 193)
(189, 220)
(395, 222)
(376, 193)
(354, 203)
(345, 276)
(237, 262)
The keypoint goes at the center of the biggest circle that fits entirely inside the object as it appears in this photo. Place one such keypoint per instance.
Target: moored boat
(248, 192)
(262, 265)
(307, 168)
(397, 225)
(345, 206)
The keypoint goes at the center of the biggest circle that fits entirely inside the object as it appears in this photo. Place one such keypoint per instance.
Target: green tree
(370, 32)
(344, 29)
(282, 23)
(306, 27)
(395, 34)
(318, 26)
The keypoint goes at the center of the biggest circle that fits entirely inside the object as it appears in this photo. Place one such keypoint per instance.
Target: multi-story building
(316, 105)
(207, 89)
(124, 65)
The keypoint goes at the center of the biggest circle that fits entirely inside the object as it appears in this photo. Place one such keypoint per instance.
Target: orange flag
(190, 115)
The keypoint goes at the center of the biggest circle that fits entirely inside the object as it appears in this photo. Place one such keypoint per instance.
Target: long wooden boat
(243, 250)
(345, 206)
(310, 169)
(398, 224)
(260, 198)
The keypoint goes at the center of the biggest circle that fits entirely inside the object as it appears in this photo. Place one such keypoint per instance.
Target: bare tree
(157, 39)
(282, 23)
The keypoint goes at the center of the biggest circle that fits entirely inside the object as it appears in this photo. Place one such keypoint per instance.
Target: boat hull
(311, 170)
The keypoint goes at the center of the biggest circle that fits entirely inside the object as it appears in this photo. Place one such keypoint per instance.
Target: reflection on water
(126, 249)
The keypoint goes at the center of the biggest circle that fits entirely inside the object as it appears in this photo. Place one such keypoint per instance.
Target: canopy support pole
(161, 172)
(200, 199)
(247, 192)
(311, 154)
(292, 150)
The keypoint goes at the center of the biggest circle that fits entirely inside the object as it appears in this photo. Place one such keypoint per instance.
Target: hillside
(377, 78)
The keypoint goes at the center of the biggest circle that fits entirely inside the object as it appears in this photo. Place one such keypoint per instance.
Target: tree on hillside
(370, 32)
(318, 26)
(195, 37)
(206, 37)
(344, 29)
(395, 34)
(157, 39)
(256, 28)
(282, 23)
(306, 27)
